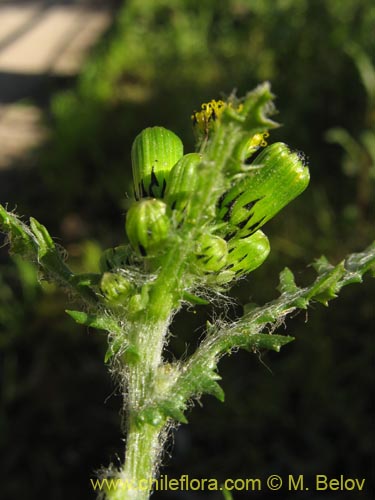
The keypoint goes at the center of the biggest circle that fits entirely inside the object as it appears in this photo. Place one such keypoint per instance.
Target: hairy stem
(142, 453)
(143, 444)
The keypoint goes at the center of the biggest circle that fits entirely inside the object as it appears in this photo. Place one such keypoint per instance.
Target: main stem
(147, 333)
(143, 439)
(142, 452)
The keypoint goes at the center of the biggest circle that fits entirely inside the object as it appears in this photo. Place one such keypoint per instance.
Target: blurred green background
(308, 410)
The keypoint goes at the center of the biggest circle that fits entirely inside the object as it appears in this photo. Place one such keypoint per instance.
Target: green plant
(188, 245)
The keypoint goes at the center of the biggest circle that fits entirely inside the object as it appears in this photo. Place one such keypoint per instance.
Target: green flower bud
(115, 258)
(182, 182)
(245, 255)
(147, 225)
(277, 177)
(211, 253)
(115, 287)
(154, 152)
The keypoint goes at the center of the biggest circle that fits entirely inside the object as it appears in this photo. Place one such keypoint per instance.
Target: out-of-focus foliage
(359, 150)
(161, 59)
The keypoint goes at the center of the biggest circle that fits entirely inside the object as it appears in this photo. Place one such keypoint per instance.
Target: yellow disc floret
(210, 113)
(209, 116)
(257, 141)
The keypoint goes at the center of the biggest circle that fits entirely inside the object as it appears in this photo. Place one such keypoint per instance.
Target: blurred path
(40, 41)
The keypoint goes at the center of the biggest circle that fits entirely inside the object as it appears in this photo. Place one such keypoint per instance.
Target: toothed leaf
(322, 265)
(287, 282)
(288, 285)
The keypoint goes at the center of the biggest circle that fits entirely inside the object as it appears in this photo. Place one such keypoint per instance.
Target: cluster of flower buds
(165, 181)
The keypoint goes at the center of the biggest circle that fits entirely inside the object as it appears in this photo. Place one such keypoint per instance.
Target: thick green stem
(142, 452)
(143, 443)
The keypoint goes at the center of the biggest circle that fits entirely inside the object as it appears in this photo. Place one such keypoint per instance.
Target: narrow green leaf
(43, 238)
(210, 386)
(48, 255)
(268, 341)
(226, 493)
(194, 299)
(35, 244)
(171, 410)
(20, 237)
(85, 279)
(114, 347)
(95, 321)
